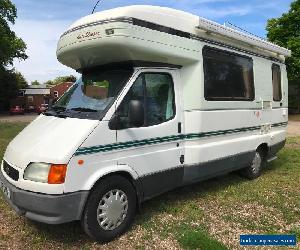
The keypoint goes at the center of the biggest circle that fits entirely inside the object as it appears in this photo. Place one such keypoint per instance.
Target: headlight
(37, 172)
(46, 173)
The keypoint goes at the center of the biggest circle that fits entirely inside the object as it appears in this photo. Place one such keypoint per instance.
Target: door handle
(179, 127)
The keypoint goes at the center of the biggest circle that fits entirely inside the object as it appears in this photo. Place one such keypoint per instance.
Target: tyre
(110, 209)
(256, 167)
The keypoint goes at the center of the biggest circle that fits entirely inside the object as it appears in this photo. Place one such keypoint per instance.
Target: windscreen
(94, 92)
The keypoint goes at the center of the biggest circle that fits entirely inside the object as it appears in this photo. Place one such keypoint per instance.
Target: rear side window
(227, 76)
(276, 79)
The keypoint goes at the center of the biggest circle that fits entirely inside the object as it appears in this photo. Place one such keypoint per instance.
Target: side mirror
(136, 113)
(115, 122)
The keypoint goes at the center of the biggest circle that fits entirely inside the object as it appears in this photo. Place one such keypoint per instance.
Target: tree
(285, 31)
(35, 82)
(61, 79)
(49, 83)
(11, 46)
(10, 81)
(21, 81)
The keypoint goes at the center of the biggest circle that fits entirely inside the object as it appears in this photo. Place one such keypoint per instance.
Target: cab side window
(156, 92)
(136, 92)
(276, 80)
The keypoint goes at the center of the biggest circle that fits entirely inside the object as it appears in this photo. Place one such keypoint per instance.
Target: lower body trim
(50, 209)
(206, 170)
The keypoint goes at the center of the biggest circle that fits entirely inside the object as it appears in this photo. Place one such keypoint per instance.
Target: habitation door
(153, 149)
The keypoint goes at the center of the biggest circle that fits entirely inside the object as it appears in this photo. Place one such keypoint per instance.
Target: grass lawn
(207, 215)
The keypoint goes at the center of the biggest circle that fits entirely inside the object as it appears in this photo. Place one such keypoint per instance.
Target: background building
(35, 95)
(58, 90)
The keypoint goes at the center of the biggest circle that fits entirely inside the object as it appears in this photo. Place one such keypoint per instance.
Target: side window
(227, 76)
(30, 99)
(55, 94)
(156, 91)
(276, 80)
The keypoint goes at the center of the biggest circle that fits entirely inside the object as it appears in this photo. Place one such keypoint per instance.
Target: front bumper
(50, 209)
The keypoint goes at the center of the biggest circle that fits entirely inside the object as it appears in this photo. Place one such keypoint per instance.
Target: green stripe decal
(137, 143)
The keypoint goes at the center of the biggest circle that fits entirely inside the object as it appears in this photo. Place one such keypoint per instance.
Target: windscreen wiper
(58, 108)
(55, 111)
(84, 109)
(50, 113)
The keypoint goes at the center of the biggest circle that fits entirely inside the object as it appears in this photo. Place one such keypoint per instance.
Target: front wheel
(110, 209)
(256, 167)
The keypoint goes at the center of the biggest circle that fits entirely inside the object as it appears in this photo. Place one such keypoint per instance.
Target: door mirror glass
(136, 113)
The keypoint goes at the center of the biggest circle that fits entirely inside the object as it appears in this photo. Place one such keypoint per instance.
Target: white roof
(161, 15)
(183, 21)
(36, 91)
(40, 86)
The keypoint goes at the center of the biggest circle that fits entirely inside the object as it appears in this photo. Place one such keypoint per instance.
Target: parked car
(16, 110)
(30, 109)
(41, 108)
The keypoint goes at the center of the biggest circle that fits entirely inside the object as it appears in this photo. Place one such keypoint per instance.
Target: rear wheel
(256, 167)
(110, 209)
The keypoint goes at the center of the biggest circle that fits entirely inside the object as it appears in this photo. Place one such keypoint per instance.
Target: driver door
(153, 149)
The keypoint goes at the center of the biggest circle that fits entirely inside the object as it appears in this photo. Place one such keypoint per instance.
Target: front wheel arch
(135, 183)
(264, 149)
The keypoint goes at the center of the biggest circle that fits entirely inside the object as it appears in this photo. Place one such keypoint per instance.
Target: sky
(41, 22)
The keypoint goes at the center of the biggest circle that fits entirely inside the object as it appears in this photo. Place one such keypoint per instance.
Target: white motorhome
(166, 99)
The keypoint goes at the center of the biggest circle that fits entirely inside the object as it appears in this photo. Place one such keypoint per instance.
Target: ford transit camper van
(165, 99)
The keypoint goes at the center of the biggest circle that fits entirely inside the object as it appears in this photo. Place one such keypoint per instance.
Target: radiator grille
(10, 171)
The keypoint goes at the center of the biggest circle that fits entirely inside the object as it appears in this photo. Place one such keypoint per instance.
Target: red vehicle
(16, 110)
(41, 108)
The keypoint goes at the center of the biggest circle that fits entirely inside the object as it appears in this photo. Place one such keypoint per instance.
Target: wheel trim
(112, 209)
(256, 163)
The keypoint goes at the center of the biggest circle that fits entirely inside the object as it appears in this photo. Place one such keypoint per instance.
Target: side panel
(221, 141)
(96, 161)
(222, 135)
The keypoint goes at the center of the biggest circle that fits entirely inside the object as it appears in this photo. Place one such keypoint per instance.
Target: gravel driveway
(294, 128)
(18, 118)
